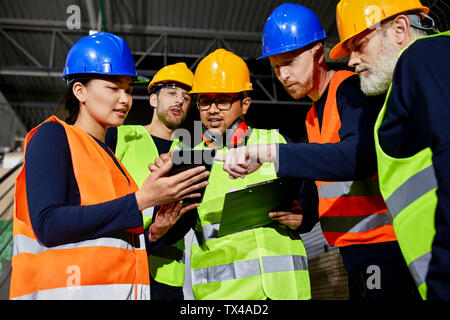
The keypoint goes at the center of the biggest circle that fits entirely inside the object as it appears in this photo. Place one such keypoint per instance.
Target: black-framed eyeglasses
(222, 103)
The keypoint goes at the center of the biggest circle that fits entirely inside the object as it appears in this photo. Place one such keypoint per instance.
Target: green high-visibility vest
(260, 263)
(408, 186)
(136, 149)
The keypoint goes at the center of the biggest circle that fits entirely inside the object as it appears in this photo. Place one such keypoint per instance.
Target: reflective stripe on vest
(409, 187)
(261, 262)
(248, 268)
(211, 231)
(24, 244)
(350, 212)
(419, 268)
(350, 189)
(37, 269)
(147, 216)
(92, 292)
(415, 187)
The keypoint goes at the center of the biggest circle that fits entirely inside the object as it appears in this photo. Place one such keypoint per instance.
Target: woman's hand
(166, 217)
(159, 189)
(292, 218)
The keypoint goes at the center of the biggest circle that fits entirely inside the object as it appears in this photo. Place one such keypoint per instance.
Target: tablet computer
(185, 159)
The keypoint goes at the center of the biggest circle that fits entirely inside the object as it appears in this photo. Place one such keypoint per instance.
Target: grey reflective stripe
(248, 268)
(211, 231)
(358, 188)
(411, 190)
(230, 271)
(419, 268)
(355, 224)
(92, 292)
(148, 212)
(24, 244)
(284, 263)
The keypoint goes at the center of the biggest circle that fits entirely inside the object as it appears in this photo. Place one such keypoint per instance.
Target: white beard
(379, 76)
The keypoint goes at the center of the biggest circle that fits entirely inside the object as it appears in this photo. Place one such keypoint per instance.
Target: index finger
(277, 214)
(166, 156)
(189, 173)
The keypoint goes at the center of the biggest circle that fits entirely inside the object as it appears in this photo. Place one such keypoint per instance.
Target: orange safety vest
(350, 212)
(110, 267)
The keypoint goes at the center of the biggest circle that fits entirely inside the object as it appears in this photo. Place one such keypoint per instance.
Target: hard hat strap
(422, 21)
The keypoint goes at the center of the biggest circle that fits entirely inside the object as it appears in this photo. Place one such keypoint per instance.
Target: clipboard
(248, 208)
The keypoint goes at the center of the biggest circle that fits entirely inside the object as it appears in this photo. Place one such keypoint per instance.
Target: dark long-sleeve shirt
(353, 158)
(54, 199)
(418, 116)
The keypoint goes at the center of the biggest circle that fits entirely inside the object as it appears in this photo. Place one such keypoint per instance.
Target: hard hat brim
(281, 50)
(151, 84)
(284, 49)
(340, 50)
(219, 91)
(134, 78)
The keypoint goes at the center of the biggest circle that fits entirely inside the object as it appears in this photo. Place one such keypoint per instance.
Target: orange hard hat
(356, 16)
(177, 72)
(221, 72)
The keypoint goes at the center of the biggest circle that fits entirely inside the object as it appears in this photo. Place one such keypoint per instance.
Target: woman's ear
(79, 91)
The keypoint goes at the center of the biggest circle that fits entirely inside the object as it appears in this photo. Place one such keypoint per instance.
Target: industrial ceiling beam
(91, 13)
(39, 25)
(48, 72)
(20, 48)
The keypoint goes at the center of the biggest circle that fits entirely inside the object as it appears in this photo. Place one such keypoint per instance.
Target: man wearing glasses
(136, 147)
(267, 262)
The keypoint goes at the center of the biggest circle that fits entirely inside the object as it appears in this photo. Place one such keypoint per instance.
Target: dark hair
(69, 106)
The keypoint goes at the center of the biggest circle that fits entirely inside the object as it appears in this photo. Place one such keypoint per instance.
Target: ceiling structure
(35, 37)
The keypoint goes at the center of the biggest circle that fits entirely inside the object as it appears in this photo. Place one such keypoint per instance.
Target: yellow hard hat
(177, 72)
(221, 72)
(356, 16)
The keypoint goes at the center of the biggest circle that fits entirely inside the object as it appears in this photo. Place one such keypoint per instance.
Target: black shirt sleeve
(418, 116)
(353, 158)
(309, 201)
(53, 196)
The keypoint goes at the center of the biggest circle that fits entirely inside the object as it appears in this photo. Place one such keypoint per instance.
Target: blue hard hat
(290, 27)
(101, 53)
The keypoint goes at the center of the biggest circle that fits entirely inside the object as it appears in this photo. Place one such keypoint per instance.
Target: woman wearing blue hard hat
(340, 156)
(78, 227)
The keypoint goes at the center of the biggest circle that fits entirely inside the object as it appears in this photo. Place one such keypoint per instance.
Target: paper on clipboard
(248, 208)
